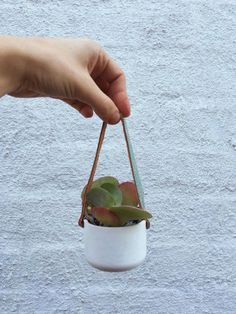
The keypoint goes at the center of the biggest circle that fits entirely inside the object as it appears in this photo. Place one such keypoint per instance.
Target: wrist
(11, 64)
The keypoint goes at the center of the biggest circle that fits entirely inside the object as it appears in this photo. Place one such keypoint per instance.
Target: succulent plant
(112, 204)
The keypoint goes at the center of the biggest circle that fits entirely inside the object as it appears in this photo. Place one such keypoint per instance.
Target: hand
(77, 71)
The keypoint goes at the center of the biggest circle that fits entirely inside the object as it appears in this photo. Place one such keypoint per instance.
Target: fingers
(117, 87)
(84, 109)
(103, 105)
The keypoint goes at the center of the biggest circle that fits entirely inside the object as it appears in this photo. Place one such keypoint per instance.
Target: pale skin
(77, 71)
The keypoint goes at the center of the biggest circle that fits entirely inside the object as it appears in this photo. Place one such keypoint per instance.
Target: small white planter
(115, 248)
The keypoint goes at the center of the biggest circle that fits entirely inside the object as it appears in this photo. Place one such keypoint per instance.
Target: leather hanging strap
(130, 160)
(92, 173)
(94, 167)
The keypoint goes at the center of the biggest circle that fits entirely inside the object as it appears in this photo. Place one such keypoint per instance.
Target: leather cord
(92, 173)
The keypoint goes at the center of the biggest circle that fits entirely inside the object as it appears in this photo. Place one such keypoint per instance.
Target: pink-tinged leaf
(129, 192)
(105, 216)
(129, 213)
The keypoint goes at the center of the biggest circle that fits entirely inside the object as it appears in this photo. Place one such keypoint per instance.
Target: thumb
(104, 107)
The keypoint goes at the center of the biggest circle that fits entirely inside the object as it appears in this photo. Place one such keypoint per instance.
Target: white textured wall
(179, 57)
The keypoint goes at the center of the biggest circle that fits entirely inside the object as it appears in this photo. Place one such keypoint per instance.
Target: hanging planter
(114, 218)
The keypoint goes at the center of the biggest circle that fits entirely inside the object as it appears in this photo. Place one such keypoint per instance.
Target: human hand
(77, 71)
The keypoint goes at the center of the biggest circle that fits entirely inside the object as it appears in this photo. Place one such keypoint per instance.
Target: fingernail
(127, 108)
(115, 118)
(83, 112)
(86, 113)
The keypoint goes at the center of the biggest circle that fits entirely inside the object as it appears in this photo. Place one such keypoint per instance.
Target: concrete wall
(179, 57)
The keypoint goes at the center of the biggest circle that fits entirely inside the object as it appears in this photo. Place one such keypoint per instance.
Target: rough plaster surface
(179, 57)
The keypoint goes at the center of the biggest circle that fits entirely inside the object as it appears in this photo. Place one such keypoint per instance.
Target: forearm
(11, 63)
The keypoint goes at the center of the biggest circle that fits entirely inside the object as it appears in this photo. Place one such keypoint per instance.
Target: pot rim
(112, 228)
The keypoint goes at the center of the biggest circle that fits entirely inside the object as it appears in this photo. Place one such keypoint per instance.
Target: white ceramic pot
(115, 248)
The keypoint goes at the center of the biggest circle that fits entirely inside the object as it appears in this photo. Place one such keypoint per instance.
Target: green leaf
(127, 213)
(129, 193)
(99, 182)
(106, 217)
(98, 197)
(114, 191)
(108, 179)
